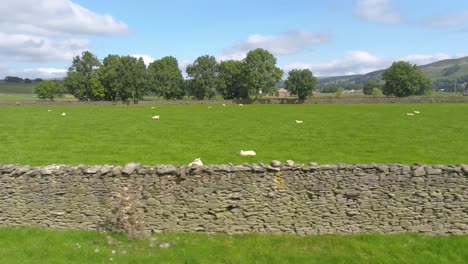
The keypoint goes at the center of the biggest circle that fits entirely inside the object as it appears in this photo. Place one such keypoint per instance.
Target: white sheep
(49, 110)
(410, 114)
(246, 153)
(241, 105)
(416, 112)
(196, 162)
(156, 117)
(153, 107)
(224, 104)
(299, 121)
(63, 114)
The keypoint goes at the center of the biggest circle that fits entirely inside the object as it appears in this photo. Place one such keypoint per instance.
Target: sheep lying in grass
(416, 112)
(410, 114)
(63, 114)
(246, 153)
(299, 121)
(156, 117)
(196, 162)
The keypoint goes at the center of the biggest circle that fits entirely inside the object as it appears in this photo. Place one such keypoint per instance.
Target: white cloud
(50, 30)
(21, 47)
(53, 17)
(286, 43)
(380, 11)
(449, 20)
(146, 58)
(44, 73)
(361, 62)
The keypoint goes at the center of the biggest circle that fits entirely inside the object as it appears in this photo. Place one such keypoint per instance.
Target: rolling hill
(442, 73)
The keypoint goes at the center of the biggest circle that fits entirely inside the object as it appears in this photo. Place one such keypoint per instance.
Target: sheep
(49, 110)
(410, 114)
(241, 105)
(209, 107)
(63, 114)
(246, 153)
(416, 112)
(299, 121)
(156, 117)
(153, 107)
(196, 162)
(224, 104)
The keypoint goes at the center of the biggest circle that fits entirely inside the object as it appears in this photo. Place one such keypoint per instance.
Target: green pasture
(381, 133)
(29, 245)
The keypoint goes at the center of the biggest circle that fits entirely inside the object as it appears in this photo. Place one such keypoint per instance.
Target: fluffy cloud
(146, 58)
(19, 47)
(380, 11)
(287, 43)
(52, 17)
(361, 62)
(50, 30)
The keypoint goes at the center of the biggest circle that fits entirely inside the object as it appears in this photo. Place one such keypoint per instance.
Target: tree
(165, 78)
(79, 75)
(403, 79)
(48, 90)
(203, 74)
(133, 79)
(13, 79)
(109, 75)
(301, 83)
(369, 87)
(230, 81)
(260, 71)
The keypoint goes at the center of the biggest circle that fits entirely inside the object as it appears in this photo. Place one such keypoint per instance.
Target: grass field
(29, 245)
(330, 134)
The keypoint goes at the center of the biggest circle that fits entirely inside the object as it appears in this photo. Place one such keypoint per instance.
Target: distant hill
(442, 73)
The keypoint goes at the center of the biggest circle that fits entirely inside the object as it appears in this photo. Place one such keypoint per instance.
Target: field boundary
(315, 100)
(262, 198)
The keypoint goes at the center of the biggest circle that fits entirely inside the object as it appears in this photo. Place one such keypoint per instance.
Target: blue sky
(40, 37)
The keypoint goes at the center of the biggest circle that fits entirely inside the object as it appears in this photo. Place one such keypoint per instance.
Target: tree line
(126, 78)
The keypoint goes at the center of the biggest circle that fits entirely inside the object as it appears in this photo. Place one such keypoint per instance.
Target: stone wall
(273, 198)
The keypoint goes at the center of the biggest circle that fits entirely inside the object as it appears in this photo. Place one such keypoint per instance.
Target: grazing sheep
(63, 114)
(416, 112)
(241, 105)
(156, 117)
(410, 114)
(299, 121)
(224, 104)
(196, 162)
(246, 153)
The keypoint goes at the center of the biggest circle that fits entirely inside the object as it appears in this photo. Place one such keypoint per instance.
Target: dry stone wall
(265, 198)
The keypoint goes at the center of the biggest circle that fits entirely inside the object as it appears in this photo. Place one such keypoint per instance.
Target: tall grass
(330, 134)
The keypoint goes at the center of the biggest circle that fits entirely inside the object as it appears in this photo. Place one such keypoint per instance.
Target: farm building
(282, 93)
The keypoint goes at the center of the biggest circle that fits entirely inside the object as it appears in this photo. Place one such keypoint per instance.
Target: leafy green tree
(260, 71)
(376, 92)
(403, 79)
(109, 75)
(165, 78)
(339, 92)
(301, 83)
(48, 90)
(203, 73)
(369, 87)
(78, 80)
(230, 81)
(132, 84)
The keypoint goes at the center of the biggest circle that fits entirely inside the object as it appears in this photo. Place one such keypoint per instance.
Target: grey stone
(419, 171)
(275, 163)
(130, 168)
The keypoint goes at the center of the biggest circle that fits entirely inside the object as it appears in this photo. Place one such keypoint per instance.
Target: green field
(330, 134)
(28, 245)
